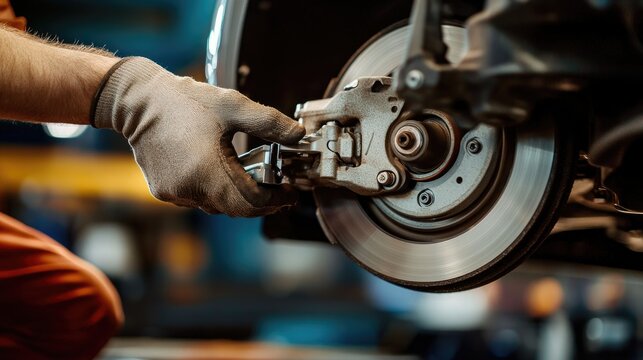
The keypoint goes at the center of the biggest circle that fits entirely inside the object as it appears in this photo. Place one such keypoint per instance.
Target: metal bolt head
(386, 178)
(425, 198)
(474, 146)
(414, 79)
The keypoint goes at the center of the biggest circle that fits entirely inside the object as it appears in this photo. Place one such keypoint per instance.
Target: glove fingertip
(286, 130)
(294, 134)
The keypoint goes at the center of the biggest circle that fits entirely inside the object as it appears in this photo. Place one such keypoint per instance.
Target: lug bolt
(474, 146)
(414, 79)
(386, 178)
(425, 198)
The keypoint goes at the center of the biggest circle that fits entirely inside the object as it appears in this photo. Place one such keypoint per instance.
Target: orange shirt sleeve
(7, 16)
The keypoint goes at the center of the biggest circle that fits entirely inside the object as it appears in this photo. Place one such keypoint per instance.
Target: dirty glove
(181, 132)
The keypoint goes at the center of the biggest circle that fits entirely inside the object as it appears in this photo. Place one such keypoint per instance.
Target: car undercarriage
(456, 138)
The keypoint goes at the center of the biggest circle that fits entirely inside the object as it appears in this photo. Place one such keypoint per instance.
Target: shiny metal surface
(262, 164)
(222, 51)
(442, 256)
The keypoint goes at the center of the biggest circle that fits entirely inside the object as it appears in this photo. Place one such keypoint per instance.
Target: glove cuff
(121, 78)
(101, 87)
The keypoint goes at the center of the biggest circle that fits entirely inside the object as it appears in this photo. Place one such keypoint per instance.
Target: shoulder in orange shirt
(7, 16)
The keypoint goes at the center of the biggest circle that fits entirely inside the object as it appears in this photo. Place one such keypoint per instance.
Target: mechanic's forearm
(45, 82)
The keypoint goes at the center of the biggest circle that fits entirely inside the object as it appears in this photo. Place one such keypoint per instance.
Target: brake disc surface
(480, 208)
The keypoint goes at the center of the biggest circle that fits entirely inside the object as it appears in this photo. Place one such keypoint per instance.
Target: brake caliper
(345, 146)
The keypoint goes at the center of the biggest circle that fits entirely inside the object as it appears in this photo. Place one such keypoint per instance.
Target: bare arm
(45, 82)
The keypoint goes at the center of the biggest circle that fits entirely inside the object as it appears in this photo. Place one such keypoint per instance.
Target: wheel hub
(454, 186)
(425, 143)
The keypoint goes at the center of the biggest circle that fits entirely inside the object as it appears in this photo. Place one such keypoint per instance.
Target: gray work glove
(181, 132)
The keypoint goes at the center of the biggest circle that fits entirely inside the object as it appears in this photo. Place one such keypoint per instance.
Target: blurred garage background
(200, 286)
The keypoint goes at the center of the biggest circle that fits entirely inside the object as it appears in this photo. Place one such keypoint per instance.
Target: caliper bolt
(474, 146)
(414, 79)
(386, 178)
(425, 198)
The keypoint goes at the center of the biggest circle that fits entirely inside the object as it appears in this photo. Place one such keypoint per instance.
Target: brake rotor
(462, 228)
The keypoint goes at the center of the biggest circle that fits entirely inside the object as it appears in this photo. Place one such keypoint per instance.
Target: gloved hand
(181, 132)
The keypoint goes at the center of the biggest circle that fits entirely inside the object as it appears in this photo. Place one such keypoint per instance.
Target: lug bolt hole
(458, 180)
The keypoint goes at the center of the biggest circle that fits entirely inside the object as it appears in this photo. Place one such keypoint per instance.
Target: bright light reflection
(215, 35)
(64, 131)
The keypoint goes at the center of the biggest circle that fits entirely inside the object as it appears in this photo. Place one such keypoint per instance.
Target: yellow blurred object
(72, 173)
(544, 297)
(183, 254)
